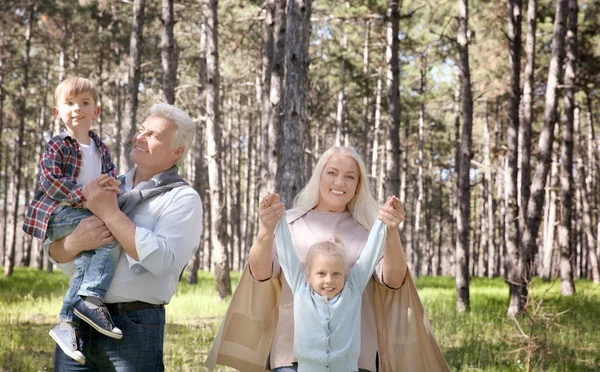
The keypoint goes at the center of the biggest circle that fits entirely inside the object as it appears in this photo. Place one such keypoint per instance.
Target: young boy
(327, 298)
(70, 161)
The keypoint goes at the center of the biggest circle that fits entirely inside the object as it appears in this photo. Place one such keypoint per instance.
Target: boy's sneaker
(67, 337)
(99, 318)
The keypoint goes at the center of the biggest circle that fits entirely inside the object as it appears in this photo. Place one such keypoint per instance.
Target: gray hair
(186, 129)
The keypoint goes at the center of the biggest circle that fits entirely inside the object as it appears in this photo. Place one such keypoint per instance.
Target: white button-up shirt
(168, 231)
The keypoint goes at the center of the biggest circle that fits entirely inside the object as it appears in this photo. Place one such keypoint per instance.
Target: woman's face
(338, 183)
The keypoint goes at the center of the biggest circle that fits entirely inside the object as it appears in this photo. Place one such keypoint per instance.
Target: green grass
(482, 340)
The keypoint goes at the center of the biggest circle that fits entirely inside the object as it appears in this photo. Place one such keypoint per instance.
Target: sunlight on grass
(482, 340)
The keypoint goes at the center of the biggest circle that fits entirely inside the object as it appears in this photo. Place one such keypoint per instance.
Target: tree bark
(546, 267)
(133, 81)
(290, 173)
(392, 143)
(544, 151)
(9, 259)
(218, 226)
(366, 93)
(376, 134)
(528, 87)
(276, 95)
(488, 198)
(566, 154)
(341, 132)
(168, 52)
(464, 186)
(588, 175)
(265, 102)
(416, 242)
(200, 166)
(515, 282)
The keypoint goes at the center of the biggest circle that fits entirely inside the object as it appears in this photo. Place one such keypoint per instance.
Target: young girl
(327, 298)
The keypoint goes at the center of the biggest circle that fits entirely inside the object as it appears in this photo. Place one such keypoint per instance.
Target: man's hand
(109, 183)
(98, 200)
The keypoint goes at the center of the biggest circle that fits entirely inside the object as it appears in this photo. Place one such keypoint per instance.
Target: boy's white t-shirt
(91, 163)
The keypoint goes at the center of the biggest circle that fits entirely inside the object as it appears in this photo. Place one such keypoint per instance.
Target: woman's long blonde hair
(362, 206)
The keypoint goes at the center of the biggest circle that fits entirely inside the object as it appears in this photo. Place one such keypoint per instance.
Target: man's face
(151, 146)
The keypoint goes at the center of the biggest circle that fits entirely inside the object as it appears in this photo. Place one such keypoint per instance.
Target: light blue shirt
(167, 233)
(327, 332)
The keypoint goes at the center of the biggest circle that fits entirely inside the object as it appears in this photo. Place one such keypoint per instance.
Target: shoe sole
(65, 349)
(96, 327)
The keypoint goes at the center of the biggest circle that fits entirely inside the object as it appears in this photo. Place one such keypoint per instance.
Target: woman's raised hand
(392, 213)
(270, 210)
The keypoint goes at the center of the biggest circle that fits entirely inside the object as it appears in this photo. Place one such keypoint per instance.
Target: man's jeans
(95, 268)
(140, 349)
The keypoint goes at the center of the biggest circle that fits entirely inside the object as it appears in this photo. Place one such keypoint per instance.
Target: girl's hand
(392, 213)
(270, 210)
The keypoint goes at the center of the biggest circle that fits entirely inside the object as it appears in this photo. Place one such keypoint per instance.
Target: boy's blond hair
(332, 247)
(73, 86)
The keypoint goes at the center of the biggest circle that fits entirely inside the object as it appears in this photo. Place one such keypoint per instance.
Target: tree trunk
(200, 167)
(297, 34)
(528, 87)
(133, 81)
(62, 67)
(276, 94)
(341, 133)
(376, 134)
(454, 176)
(489, 205)
(416, 242)
(5, 174)
(218, 227)
(168, 52)
(366, 93)
(515, 282)
(587, 173)
(566, 155)
(237, 216)
(550, 217)
(9, 259)
(544, 152)
(464, 186)
(265, 93)
(392, 143)
(248, 231)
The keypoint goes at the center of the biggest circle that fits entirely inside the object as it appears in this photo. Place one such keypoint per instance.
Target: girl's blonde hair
(332, 247)
(362, 206)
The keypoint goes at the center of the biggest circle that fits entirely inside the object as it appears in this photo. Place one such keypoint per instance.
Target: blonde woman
(258, 330)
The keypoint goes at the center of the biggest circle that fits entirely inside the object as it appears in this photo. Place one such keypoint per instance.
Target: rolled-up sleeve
(167, 247)
(66, 267)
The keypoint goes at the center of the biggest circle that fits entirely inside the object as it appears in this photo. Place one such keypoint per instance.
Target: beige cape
(405, 340)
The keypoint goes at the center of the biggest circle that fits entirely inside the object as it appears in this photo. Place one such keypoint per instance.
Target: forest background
(479, 115)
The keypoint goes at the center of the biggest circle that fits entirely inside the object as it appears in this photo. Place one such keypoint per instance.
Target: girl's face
(338, 183)
(327, 274)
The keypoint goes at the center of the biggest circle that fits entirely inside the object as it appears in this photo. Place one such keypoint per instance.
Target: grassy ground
(482, 340)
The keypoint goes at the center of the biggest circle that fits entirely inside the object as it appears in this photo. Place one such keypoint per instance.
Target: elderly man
(157, 220)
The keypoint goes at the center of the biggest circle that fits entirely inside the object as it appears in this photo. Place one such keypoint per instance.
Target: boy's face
(327, 275)
(77, 112)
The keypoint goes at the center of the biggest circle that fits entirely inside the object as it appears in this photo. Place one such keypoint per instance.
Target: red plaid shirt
(57, 180)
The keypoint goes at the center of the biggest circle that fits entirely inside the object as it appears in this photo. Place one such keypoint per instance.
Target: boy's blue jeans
(95, 268)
